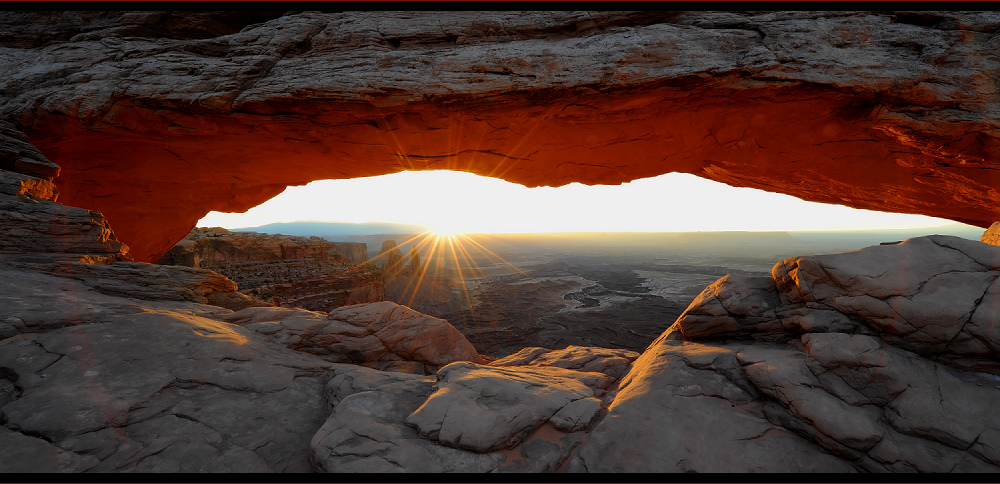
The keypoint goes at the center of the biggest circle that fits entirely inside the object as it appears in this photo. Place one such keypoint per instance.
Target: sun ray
(518, 269)
(423, 271)
(461, 276)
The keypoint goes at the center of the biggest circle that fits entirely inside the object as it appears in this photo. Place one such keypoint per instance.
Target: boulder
(366, 430)
(482, 408)
(382, 335)
(934, 295)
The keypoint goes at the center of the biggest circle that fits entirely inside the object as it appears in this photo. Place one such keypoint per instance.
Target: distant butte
(156, 119)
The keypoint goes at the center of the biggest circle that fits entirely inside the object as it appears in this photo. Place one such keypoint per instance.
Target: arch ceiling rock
(157, 118)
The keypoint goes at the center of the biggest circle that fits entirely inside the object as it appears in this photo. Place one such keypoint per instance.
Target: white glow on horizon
(453, 202)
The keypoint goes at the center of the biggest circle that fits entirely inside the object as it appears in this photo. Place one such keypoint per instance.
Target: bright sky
(452, 201)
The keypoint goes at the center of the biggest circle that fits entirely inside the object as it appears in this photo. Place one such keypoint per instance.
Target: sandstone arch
(889, 111)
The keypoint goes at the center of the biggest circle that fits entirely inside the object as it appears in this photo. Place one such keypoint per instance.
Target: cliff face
(306, 272)
(214, 246)
(892, 111)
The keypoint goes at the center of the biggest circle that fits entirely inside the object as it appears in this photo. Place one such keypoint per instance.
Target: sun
(446, 233)
(446, 230)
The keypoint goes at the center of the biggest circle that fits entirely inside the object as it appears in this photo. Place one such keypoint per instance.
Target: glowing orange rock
(893, 112)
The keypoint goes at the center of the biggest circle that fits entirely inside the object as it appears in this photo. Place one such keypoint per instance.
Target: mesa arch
(155, 121)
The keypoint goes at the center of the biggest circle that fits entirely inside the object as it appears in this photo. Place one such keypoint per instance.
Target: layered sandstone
(390, 260)
(992, 235)
(213, 247)
(305, 272)
(893, 111)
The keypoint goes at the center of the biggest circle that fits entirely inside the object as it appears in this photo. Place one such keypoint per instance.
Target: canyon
(119, 130)
(305, 272)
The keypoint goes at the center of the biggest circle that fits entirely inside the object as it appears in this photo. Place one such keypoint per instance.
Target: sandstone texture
(611, 362)
(367, 430)
(893, 111)
(109, 383)
(385, 336)
(805, 371)
(309, 284)
(882, 357)
(212, 247)
(390, 260)
(291, 271)
(37, 229)
(992, 235)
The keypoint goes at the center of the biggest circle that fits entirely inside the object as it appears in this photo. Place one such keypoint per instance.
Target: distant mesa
(216, 245)
(332, 230)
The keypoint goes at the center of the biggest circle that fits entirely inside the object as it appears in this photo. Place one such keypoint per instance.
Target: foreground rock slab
(119, 384)
(482, 408)
(368, 430)
(805, 371)
(885, 357)
(678, 411)
(381, 335)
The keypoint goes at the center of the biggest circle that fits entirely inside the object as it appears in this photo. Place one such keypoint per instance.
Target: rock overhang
(875, 111)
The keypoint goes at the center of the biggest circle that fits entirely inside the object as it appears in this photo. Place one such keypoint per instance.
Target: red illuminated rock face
(157, 119)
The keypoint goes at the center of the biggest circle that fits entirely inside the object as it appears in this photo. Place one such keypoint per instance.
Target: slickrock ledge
(384, 336)
(881, 357)
(879, 360)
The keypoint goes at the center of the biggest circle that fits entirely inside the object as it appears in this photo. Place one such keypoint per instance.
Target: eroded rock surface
(883, 358)
(992, 235)
(383, 335)
(932, 295)
(611, 362)
(367, 429)
(685, 407)
(37, 229)
(109, 383)
(894, 111)
(482, 408)
(212, 247)
(784, 374)
(290, 271)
